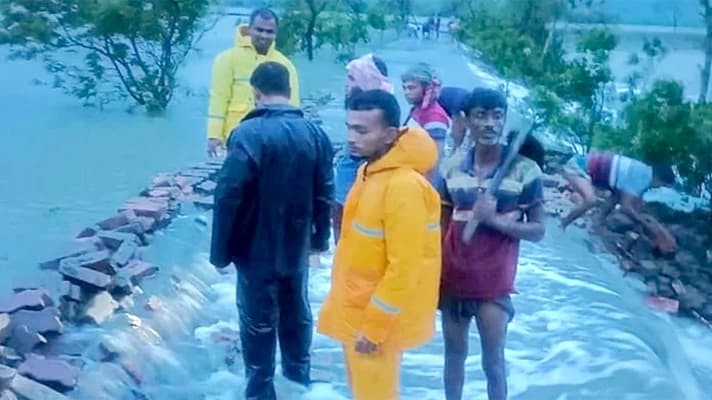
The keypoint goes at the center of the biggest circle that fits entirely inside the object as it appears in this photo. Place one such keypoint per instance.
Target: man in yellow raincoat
(386, 269)
(231, 96)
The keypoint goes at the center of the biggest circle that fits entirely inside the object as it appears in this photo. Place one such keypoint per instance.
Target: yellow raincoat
(386, 272)
(231, 96)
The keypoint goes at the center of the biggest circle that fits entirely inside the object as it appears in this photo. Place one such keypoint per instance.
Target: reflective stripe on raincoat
(386, 272)
(231, 95)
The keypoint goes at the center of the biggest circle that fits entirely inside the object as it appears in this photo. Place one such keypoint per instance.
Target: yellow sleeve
(405, 228)
(220, 94)
(295, 99)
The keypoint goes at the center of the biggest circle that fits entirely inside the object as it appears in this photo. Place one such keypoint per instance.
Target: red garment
(433, 119)
(599, 167)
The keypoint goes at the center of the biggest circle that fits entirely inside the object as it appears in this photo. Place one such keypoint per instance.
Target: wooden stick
(512, 154)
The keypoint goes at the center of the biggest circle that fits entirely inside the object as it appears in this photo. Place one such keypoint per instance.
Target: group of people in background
(397, 201)
(428, 30)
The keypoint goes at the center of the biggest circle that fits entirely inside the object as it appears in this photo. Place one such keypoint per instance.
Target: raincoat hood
(414, 149)
(242, 38)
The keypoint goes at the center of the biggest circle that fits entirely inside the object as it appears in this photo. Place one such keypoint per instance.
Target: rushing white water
(581, 332)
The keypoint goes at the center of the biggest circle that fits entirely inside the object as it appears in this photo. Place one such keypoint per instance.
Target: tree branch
(124, 80)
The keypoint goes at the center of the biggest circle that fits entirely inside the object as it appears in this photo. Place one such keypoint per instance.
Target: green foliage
(662, 127)
(569, 91)
(376, 17)
(699, 171)
(130, 47)
(307, 25)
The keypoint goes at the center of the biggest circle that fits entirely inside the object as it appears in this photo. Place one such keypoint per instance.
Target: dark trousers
(272, 307)
(337, 212)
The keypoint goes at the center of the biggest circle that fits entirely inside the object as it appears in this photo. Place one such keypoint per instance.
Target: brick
(160, 192)
(86, 277)
(122, 285)
(213, 167)
(187, 182)
(207, 202)
(88, 232)
(74, 249)
(162, 180)
(31, 390)
(148, 224)
(45, 321)
(196, 173)
(100, 308)
(24, 341)
(138, 229)
(69, 346)
(31, 299)
(146, 208)
(72, 291)
(8, 356)
(113, 239)
(98, 261)
(117, 221)
(124, 254)
(7, 375)
(207, 187)
(54, 373)
(663, 304)
(137, 270)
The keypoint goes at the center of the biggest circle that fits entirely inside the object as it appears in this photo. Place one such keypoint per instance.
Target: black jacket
(274, 193)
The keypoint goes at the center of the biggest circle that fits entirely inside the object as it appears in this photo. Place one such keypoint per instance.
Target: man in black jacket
(272, 208)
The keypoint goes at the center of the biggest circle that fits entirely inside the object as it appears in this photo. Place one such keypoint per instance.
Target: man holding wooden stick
(478, 275)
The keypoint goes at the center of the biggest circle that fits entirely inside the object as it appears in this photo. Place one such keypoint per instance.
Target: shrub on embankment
(571, 93)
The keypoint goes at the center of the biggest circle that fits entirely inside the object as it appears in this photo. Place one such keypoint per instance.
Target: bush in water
(130, 48)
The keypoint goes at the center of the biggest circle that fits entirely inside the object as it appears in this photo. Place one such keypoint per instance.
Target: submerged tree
(128, 48)
(307, 25)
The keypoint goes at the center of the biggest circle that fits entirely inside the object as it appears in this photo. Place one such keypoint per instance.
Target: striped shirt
(433, 119)
(486, 267)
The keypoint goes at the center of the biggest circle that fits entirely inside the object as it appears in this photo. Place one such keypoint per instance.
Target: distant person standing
(428, 28)
(272, 206)
(231, 96)
(437, 26)
(421, 86)
(453, 26)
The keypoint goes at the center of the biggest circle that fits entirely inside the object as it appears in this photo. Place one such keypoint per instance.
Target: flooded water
(581, 330)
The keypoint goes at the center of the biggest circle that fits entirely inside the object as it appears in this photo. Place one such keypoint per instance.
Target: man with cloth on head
(364, 73)
(422, 90)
